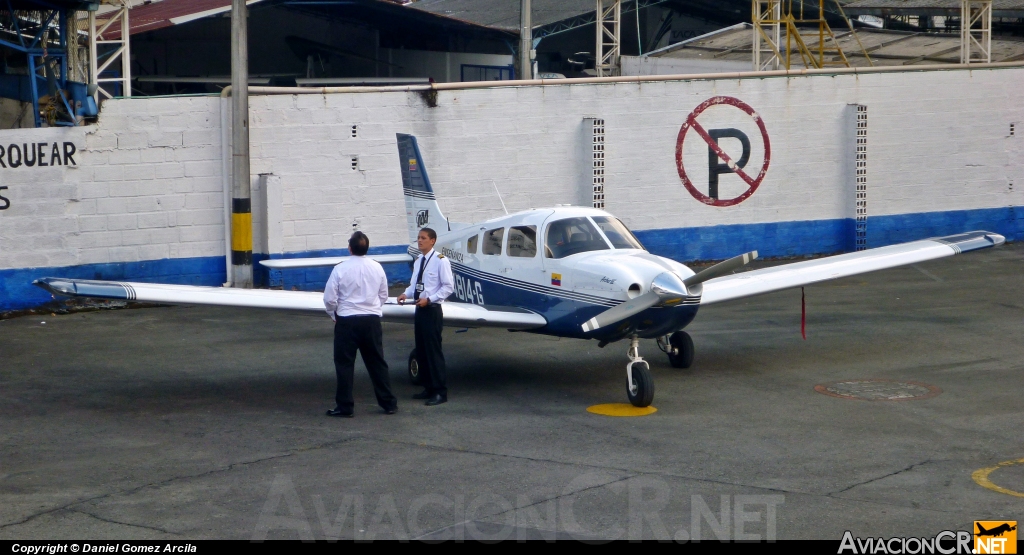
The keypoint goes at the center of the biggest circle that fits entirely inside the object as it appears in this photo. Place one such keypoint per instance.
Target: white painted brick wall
(148, 181)
(526, 140)
(146, 186)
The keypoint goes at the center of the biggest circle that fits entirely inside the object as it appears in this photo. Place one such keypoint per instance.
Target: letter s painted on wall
(5, 203)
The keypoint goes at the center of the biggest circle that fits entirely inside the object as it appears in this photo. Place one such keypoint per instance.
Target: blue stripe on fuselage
(565, 311)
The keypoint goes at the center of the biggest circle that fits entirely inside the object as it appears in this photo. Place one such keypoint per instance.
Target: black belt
(429, 306)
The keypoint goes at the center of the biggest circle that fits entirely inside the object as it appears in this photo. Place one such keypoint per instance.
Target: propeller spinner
(666, 289)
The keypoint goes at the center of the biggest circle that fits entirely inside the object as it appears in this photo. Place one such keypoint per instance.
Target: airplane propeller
(721, 268)
(666, 289)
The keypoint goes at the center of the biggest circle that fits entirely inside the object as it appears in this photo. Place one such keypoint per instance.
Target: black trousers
(362, 333)
(428, 324)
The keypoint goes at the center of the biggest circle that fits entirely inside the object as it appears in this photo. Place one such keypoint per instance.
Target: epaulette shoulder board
(440, 256)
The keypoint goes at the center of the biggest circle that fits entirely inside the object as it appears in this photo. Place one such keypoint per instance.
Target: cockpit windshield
(571, 236)
(617, 233)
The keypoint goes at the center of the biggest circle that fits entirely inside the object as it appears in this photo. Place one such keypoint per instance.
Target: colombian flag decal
(556, 279)
(412, 164)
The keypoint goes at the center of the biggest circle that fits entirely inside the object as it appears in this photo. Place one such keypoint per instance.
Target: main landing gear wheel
(680, 352)
(415, 377)
(639, 383)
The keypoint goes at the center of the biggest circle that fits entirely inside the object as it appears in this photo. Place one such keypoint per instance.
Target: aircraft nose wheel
(639, 384)
(415, 378)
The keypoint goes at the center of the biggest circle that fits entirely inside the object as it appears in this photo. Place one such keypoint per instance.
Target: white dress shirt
(438, 282)
(356, 286)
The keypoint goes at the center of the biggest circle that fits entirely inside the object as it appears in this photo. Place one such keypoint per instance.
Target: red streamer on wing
(803, 315)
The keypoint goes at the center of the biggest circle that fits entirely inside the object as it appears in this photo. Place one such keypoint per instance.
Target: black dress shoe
(391, 410)
(436, 400)
(338, 412)
(422, 395)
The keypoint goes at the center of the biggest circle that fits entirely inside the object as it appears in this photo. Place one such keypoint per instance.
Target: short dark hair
(430, 233)
(359, 243)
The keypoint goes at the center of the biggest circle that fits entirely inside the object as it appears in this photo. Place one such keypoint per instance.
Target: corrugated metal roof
(1000, 8)
(157, 15)
(886, 48)
(166, 13)
(504, 14)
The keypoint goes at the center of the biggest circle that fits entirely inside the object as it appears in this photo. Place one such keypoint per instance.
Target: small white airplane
(563, 271)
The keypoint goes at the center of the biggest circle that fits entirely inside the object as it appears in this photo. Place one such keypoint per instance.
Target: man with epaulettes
(431, 284)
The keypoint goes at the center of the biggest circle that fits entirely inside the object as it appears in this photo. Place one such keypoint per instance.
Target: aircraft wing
(766, 280)
(290, 263)
(455, 314)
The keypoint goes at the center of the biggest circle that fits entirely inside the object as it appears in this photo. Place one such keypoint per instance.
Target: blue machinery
(39, 30)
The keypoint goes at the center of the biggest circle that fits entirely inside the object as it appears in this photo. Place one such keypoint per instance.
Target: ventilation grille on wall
(862, 179)
(598, 160)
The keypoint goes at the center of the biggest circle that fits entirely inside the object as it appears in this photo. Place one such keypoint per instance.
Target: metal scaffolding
(776, 36)
(767, 20)
(609, 19)
(39, 30)
(975, 31)
(113, 50)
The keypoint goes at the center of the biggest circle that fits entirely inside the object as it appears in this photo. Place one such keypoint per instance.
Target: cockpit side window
(492, 240)
(571, 236)
(522, 241)
(617, 233)
(471, 244)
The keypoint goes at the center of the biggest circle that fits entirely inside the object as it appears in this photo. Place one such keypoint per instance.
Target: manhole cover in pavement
(878, 390)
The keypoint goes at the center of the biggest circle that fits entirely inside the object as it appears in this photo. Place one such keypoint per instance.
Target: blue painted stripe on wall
(900, 228)
(17, 291)
(775, 239)
(780, 239)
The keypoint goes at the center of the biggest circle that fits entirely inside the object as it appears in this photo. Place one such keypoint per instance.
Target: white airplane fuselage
(494, 263)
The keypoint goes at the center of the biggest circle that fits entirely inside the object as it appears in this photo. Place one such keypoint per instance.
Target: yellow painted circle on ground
(621, 409)
(981, 477)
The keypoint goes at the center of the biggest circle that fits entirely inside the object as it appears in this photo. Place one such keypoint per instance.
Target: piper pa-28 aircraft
(563, 271)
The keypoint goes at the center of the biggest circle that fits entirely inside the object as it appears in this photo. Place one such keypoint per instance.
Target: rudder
(421, 209)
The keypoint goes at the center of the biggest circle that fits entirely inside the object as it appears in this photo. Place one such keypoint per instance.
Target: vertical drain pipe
(241, 201)
(225, 173)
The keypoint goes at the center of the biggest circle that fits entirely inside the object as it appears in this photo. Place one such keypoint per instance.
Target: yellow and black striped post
(241, 188)
(241, 241)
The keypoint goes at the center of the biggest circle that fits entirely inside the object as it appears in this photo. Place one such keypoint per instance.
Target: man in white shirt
(353, 298)
(430, 285)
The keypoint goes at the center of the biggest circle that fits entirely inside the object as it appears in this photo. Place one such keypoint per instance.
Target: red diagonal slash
(713, 144)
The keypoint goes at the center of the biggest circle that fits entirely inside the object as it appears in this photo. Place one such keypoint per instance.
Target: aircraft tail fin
(981, 529)
(421, 209)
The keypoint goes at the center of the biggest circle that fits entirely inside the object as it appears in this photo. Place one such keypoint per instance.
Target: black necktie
(419, 279)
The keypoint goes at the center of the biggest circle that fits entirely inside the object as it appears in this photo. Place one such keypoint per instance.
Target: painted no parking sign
(719, 162)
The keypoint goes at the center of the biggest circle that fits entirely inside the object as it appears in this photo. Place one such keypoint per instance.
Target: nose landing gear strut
(639, 384)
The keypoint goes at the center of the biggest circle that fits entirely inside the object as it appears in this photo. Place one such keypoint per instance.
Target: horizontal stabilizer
(776, 278)
(290, 263)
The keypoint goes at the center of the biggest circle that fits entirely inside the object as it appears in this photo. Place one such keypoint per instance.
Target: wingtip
(995, 238)
(54, 286)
